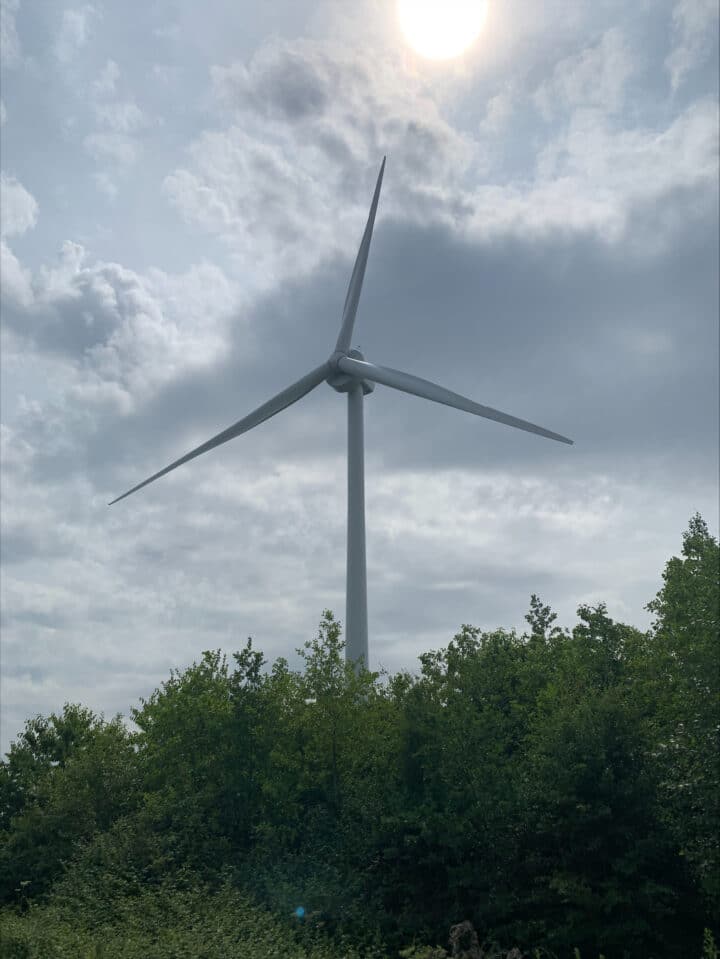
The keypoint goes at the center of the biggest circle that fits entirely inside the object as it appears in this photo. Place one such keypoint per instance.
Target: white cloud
(594, 78)
(105, 184)
(295, 109)
(128, 332)
(115, 139)
(695, 28)
(497, 113)
(120, 117)
(119, 148)
(106, 83)
(646, 342)
(235, 547)
(10, 52)
(74, 32)
(18, 208)
(592, 176)
(16, 285)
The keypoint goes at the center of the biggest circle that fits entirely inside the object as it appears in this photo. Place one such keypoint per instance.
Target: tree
(66, 778)
(599, 869)
(541, 619)
(328, 742)
(199, 757)
(46, 743)
(685, 660)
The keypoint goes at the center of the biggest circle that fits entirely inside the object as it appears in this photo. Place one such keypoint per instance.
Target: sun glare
(440, 29)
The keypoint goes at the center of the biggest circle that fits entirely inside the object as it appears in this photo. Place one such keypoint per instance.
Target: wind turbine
(347, 371)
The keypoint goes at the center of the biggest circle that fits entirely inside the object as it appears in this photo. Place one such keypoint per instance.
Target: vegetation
(555, 793)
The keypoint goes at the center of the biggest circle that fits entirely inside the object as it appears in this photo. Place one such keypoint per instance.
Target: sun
(440, 29)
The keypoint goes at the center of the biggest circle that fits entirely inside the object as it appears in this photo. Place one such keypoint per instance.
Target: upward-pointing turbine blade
(438, 394)
(278, 403)
(358, 273)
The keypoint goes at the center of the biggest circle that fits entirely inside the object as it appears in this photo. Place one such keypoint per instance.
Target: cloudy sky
(183, 193)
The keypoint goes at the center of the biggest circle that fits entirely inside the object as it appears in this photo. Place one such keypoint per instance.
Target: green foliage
(329, 740)
(45, 744)
(685, 662)
(167, 923)
(67, 778)
(423, 952)
(710, 949)
(558, 790)
(195, 753)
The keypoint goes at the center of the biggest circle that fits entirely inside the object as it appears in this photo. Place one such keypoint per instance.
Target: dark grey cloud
(75, 320)
(21, 542)
(288, 86)
(614, 348)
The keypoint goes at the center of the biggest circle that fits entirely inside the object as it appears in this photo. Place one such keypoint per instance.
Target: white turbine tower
(348, 372)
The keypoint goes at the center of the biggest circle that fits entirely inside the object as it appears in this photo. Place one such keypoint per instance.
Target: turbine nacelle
(343, 382)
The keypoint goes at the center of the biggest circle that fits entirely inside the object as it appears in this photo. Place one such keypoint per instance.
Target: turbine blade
(438, 394)
(356, 280)
(278, 403)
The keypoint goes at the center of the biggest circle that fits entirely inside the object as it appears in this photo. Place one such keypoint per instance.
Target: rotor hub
(343, 382)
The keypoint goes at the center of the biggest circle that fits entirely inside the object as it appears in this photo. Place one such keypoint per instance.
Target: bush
(167, 923)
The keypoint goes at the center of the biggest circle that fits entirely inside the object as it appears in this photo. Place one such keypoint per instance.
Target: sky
(183, 194)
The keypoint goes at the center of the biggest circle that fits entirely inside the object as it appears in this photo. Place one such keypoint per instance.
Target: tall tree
(686, 687)
(67, 778)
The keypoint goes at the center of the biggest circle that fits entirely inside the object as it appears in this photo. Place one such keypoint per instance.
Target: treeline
(558, 789)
